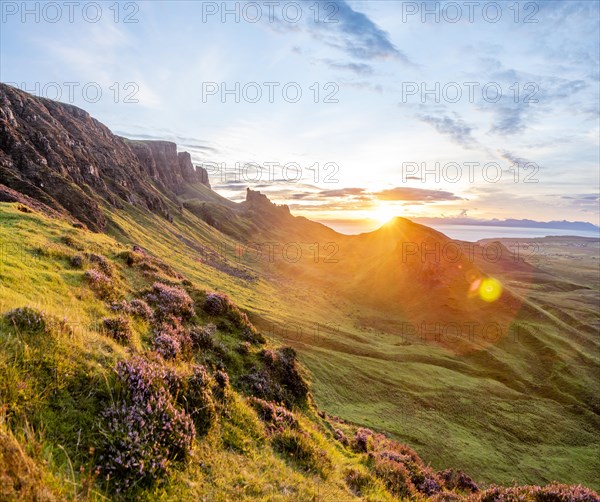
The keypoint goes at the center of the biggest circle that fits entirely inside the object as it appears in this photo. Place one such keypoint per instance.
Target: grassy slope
(517, 410)
(53, 388)
(524, 428)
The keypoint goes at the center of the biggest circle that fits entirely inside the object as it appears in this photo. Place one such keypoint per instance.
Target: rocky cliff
(60, 156)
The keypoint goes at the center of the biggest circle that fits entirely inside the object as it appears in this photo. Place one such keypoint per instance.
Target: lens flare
(490, 289)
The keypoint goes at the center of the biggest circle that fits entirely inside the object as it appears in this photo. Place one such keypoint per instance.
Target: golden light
(384, 213)
(490, 289)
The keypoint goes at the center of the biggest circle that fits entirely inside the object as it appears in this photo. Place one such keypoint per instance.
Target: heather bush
(142, 439)
(358, 481)
(282, 377)
(276, 418)
(77, 261)
(203, 336)
(457, 480)
(221, 387)
(28, 319)
(216, 304)
(101, 284)
(297, 447)
(253, 336)
(103, 264)
(361, 440)
(341, 437)
(171, 339)
(244, 348)
(141, 309)
(395, 476)
(219, 304)
(118, 328)
(199, 402)
(170, 301)
(550, 493)
(144, 431)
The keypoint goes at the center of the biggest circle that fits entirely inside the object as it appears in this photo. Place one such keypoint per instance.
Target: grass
(511, 411)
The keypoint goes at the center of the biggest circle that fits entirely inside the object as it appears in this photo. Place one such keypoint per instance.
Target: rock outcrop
(59, 155)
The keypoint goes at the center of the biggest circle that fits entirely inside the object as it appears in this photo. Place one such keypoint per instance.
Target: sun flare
(384, 213)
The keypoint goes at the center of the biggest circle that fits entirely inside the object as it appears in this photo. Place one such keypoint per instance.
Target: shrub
(102, 262)
(551, 493)
(170, 301)
(118, 328)
(275, 417)
(253, 336)
(141, 309)
(358, 481)
(203, 336)
(77, 261)
(341, 437)
(101, 284)
(216, 304)
(172, 339)
(457, 480)
(395, 476)
(28, 319)
(142, 439)
(219, 304)
(297, 447)
(279, 381)
(244, 348)
(361, 440)
(198, 400)
(144, 432)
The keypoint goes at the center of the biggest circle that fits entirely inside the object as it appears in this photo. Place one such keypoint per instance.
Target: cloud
(415, 194)
(358, 68)
(455, 128)
(342, 192)
(345, 29)
(361, 37)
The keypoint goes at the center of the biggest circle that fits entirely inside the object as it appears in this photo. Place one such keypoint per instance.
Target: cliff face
(162, 163)
(61, 156)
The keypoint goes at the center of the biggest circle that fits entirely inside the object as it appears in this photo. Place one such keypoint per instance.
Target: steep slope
(352, 306)
(58, 154)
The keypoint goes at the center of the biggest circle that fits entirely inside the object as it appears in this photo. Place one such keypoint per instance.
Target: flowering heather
(77, 261)
(222, 379)
(282, 368)
(358, 481)
(203, 336)
(361, 439)
(171, 339)
(276, 418)
(142, 439)
(100, 283)
(341, 437)
(141, 309)
(550, 493)
(170, 301)
(216, 304)
(27, 319)
(198, 400)
(105, 266)
(118, 328)
(458, 480)
(145, 431)
(395, 476)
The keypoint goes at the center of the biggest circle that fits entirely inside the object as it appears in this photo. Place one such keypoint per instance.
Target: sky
(350, 112)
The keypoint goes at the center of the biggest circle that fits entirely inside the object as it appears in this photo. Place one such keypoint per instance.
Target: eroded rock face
(163, 164)
(61, 156)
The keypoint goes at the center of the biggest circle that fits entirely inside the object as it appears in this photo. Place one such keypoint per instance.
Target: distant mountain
(524, 223)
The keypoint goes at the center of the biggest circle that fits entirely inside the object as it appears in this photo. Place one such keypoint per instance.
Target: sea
(473, 233)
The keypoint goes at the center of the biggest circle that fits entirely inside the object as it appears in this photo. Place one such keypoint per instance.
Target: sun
(384, 213)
